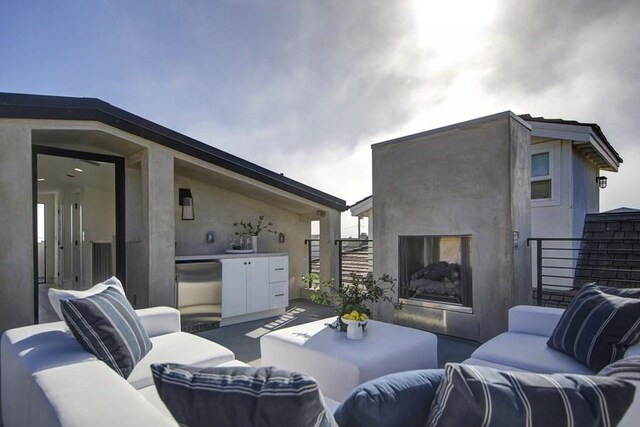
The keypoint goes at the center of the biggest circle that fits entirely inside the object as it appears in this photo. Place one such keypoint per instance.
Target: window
(541, 176)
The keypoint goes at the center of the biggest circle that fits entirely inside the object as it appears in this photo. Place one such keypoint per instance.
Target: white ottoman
(340, 364)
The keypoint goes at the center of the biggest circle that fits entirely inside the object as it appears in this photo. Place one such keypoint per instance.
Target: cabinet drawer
(278, 269)
(278, 295)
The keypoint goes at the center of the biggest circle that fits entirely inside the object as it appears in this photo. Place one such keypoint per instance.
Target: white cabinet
(278, 282)
(257, 284)
(234, 287)
(254, 284)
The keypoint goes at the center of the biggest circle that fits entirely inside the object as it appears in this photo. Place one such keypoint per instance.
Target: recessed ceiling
(55, 172)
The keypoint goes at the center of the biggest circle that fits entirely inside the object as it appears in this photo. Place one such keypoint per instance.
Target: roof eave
(22, 106)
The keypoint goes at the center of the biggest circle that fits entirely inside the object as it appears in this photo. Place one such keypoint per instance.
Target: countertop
(216, 257)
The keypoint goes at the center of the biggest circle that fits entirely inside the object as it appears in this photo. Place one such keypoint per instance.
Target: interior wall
(99, 224)
(216, 209)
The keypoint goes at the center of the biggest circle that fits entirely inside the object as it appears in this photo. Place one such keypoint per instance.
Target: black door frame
(118, 162)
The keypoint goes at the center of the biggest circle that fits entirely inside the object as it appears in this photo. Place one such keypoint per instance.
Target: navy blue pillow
(108, 326)
(476, 395)
(400, 399)
(240, 396)
(626, 369)
(597, 327)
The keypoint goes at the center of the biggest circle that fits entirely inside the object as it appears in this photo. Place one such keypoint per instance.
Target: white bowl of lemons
(355, 324)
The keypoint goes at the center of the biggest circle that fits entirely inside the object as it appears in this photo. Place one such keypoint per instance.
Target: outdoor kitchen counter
(215, 257)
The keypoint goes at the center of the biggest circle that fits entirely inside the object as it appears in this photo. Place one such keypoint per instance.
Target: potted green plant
(249, 229)
(353, 296)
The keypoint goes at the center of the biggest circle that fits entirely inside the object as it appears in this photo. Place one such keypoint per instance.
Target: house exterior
(137, 211)
(566, 158)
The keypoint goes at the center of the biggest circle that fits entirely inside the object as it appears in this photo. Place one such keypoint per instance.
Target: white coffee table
(340, 364)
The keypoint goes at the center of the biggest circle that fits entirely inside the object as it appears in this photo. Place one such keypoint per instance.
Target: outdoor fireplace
(435, 270)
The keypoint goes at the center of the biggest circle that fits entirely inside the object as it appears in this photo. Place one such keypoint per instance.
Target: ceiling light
(40, 179)
(70, 175)
(78, 170)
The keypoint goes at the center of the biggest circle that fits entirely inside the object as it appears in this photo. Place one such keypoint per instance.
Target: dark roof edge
(594, 126)
(23, 106)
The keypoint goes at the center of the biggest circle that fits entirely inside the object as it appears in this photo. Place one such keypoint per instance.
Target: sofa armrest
(160, 320)
(529, 319)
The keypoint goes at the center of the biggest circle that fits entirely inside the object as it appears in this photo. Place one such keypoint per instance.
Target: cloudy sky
(305, 87)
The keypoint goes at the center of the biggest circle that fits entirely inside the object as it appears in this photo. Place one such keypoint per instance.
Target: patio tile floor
(244, 338)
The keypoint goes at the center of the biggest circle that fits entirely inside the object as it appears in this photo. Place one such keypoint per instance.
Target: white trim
(362, 207)
(555, 173)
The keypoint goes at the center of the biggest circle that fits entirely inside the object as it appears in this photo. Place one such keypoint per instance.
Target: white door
(234, 287)
(76, 240)
(257, 284)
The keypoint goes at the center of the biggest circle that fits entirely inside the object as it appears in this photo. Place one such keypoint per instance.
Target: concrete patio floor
(244, 338)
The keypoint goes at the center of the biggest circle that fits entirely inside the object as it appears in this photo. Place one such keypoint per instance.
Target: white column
(329, 233)
(159, 227)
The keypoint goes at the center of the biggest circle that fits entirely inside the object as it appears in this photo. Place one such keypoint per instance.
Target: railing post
(308, 243)
(339, 281)
(539, 270)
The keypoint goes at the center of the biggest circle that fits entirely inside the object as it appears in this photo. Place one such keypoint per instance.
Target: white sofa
(524, 348)
(48, 379)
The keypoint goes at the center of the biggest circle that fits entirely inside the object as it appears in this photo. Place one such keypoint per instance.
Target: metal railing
(355, 256)
(313, 255)
(565, 264)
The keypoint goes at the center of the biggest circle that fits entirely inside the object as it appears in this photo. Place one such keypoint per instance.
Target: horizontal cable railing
(562, 265)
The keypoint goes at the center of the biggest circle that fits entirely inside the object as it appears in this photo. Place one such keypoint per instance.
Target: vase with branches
(253, 230)
(356, 295)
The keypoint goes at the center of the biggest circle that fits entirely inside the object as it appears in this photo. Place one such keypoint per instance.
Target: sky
(305, 87)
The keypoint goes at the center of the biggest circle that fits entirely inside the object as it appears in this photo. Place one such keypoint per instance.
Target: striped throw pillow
(480, 396)
(240, 396)
(107, 325)
(597, 327)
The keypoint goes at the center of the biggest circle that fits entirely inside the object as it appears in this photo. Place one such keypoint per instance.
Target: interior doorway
(78, 222)
(41, 243)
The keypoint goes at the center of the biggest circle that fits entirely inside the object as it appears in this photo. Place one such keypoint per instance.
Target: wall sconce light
(601, 181)
(185, 199)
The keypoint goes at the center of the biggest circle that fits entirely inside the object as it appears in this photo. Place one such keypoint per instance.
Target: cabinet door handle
(280, 269)
(279, 295)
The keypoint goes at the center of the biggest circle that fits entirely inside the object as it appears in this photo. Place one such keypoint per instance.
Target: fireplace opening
(435, 269)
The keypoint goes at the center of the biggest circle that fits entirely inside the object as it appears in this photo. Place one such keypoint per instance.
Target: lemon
(363, 317)
(347, 317)
(355, 314)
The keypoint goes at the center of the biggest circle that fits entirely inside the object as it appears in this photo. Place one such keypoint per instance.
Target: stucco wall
(216, 209)
(458, 181)
(16, 227)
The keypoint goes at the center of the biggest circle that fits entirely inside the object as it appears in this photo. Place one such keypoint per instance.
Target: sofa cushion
(56, 295)
(87, 394)
(240, 396)
(182, 348)
(106, 325)
(473, 395)
(596, 328)
(401, 399)
(529, 353)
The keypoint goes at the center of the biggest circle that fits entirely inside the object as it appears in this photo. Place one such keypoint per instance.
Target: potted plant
(354, 296)
(247, 228)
